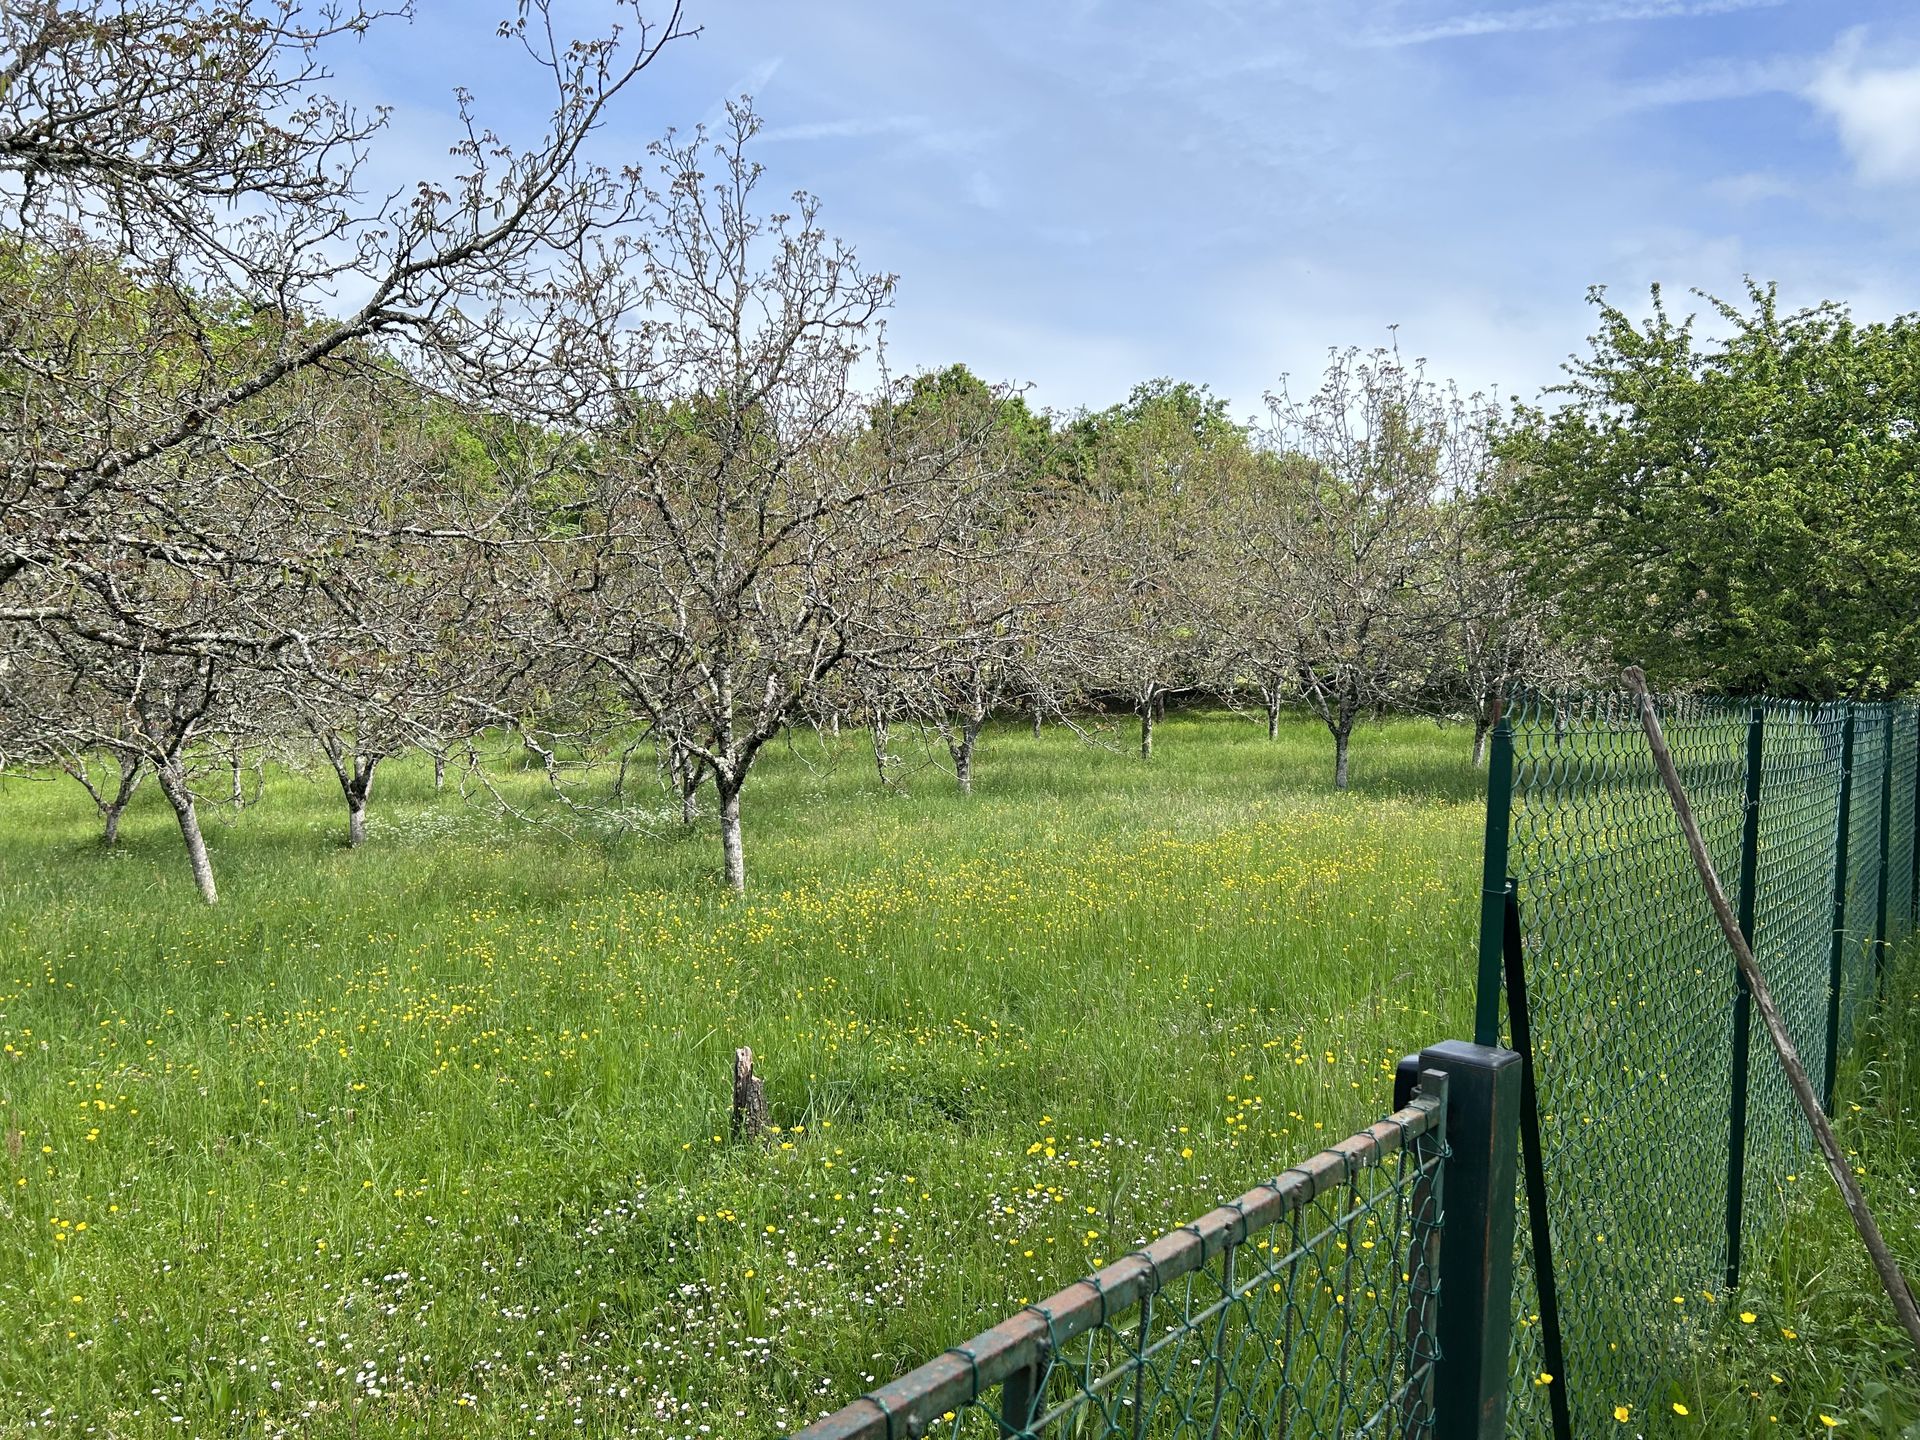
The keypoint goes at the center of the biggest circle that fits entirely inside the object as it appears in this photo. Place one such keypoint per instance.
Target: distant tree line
(610, 462)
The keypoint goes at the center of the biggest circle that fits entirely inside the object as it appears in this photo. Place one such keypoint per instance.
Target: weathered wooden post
(750, 1114)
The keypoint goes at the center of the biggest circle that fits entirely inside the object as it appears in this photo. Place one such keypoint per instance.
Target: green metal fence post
(1837, 953)
(1886, 835)
(1533, 1169)
(1020, 1399)
(1743, 996)
(1475, 1317)
(1913, 856)
(1493, 883)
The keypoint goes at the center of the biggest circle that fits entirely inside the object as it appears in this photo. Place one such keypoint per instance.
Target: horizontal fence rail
(1671, 1142)
(1307, 1306)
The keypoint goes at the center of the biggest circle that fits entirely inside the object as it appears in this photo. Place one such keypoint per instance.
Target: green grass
(445, 1118)
(1811, 1334)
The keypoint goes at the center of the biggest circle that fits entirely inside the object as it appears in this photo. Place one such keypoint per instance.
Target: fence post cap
(1464, 1054)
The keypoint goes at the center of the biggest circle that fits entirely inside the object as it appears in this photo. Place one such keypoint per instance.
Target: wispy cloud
(1222, 190)
(1561, 15)
(918, 130)
(1876, 110)
(751, 82)
(1714, 81)
(756, 78)
(852, 129)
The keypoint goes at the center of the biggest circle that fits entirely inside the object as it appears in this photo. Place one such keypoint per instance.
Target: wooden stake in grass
(750, 1115)
(1890, 1277)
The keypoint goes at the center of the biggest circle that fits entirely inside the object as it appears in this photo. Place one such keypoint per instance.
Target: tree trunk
(131, 773)
(239, 792)
(962, 749)
(1038, 716)
(1146, 730)
(1341, 735)
(676, 772)
(356, 784)
(1273, 719)
(179, 793)
(880, 756)
(439, 771)
(733, 854)
(687, 777)
(1480, 729)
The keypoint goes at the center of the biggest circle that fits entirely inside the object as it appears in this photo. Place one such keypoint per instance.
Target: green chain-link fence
(1306, 1307)
(1656, 1132)
(1670, 1138)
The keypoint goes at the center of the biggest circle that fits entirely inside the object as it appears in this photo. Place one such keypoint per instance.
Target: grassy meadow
(431, 1137)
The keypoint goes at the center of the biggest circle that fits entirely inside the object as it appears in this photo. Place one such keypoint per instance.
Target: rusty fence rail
(1311, 1305)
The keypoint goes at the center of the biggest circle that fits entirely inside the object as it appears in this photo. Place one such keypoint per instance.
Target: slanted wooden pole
(1890, 1276)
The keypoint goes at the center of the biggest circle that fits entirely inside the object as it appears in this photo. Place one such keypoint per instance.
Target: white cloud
(751, 83)
(916, 130)
(855, 129)
(1876, 110)
(1563, 15)
(757, 77)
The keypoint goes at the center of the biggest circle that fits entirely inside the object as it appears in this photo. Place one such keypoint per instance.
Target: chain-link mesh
(1870, 751)
(1305, 1307)
(1792, 938)
(1900, 828)
(1633, 998)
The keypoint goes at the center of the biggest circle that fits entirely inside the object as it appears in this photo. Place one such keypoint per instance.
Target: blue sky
(1080, 194)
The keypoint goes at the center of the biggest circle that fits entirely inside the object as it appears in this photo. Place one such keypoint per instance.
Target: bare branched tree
(1347, 543)
(1498, 634)
(180, 196)
(411, 649)
(186, 159)
(737, 521)
(979, 599)
(1146, 584)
